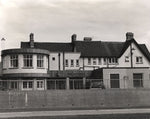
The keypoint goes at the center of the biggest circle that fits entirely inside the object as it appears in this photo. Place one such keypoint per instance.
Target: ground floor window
(40, 84)
(27, 84)
(138, 80)
(13, 85)
(76, 84)
(114, 81)
(56, 84)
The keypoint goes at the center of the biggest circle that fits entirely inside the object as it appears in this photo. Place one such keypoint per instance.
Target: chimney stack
(73, 38)
(87, 39)
(129, 36)
(31, 40)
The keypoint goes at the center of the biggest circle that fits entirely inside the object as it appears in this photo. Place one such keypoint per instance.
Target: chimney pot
(73, 37)
(87, 39)
(31, 40)
(129, 36)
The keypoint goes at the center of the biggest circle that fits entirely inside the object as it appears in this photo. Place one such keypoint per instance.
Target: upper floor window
(14, 61)
(113, 60)
(28, 60)
(40, 61)
(126, 58)
(66, 63)
(139, 60)
(40, 84)
(72, 63)
(105, 61)
(4, 62)
(89, 61)
(99, 61)
(77, 63)
(94, 61)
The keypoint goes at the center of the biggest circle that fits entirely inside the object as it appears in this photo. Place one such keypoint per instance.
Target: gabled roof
(90, 48)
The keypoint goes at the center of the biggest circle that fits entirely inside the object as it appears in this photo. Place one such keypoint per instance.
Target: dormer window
(139, 60)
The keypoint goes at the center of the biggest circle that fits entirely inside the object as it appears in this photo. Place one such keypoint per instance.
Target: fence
(63, 84)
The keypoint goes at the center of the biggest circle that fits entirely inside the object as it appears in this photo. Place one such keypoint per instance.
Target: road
(72, 112)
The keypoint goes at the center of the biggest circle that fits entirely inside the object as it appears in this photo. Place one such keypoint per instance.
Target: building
(76, 65)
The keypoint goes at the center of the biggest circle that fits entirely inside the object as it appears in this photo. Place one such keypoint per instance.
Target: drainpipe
(59, 61)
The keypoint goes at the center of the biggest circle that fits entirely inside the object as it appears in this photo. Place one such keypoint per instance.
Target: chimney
(31, 40)
(73, 38)
(87, 39)
(129, 36)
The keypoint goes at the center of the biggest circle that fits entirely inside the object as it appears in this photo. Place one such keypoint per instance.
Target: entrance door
(114, 81)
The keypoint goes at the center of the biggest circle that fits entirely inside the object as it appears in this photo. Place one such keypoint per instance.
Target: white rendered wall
(136, 52)
(21, 69)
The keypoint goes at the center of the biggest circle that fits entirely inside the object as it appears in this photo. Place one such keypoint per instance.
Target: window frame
(14, 61)
(28, 61)
(139, 60)
(40, 61)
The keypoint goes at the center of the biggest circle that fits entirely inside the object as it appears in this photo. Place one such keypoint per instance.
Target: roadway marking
(72, 112)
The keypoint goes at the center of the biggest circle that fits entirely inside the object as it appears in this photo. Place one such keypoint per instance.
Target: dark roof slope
(98, 48)
(90, 48)
(53, 47)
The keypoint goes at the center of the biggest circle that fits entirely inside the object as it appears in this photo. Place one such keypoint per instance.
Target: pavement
(4, 115)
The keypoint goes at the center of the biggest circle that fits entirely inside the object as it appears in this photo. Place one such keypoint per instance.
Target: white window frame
(126, 58)
(89, 61)
(66, 63)
(94, 61)
(40, 84)
(72, 63)
(40, 61)
(99, 61)
(27, 85)
(139, 60)
(77, 63)
(13, 61)
(28, 61)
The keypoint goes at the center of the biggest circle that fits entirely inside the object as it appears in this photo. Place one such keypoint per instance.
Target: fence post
(26, 99)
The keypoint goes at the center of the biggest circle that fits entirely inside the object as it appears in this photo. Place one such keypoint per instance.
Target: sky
(57, 20)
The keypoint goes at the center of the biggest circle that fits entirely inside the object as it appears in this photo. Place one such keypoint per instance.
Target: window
(14, 61)
(114, 81)
(53, 58)
(40, 84)
(94, 61)
(138, 80)
(77, 63)
(89, 61)
(4, 62)
(113, 60)
(27, 84)
(139, 60)
(28, 60)
(72, 63)
(99, 61)
(76, 84)
(66, 63)
(40, 61)
(56, 84)
(105, 61)
(126, 58)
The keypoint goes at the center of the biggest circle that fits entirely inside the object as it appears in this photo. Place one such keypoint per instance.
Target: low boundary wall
(93, 98)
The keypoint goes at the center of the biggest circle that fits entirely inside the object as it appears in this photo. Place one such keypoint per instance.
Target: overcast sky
(57, 20)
